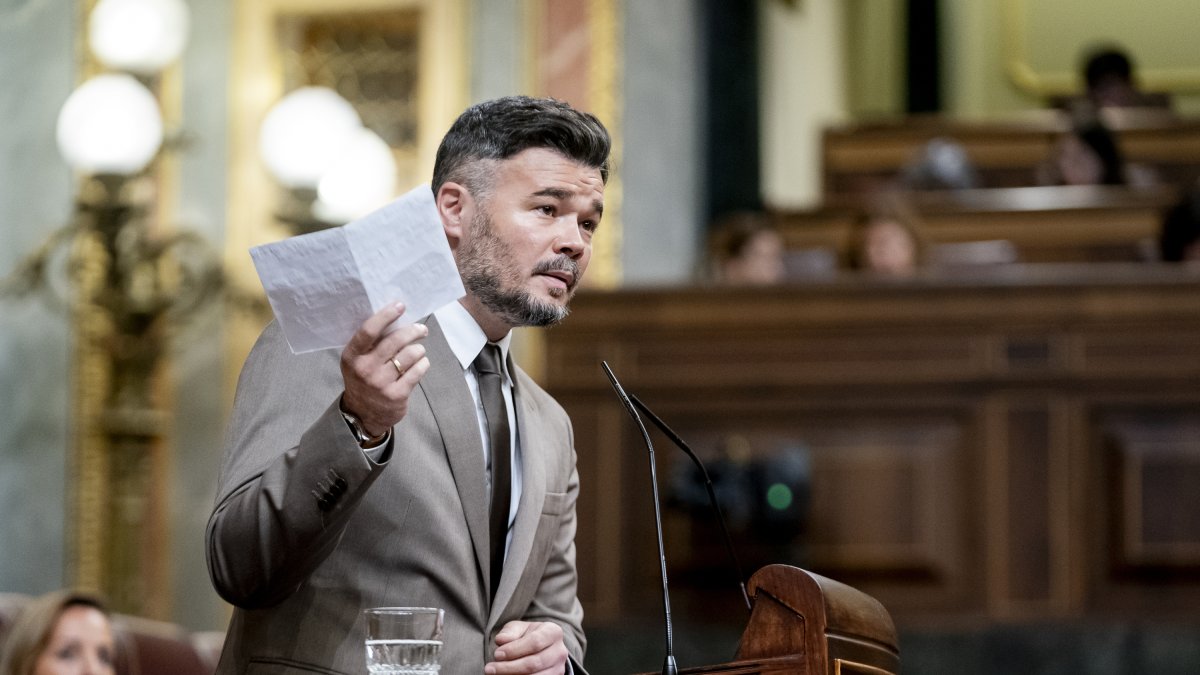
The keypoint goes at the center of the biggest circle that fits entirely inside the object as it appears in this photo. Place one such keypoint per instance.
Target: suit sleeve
(291, 476)
(557, 596)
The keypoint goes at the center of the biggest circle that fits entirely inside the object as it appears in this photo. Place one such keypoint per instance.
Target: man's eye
(546, 209)
(589, 225)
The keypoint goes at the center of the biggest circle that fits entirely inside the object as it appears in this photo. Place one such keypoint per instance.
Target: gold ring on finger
(399, 368)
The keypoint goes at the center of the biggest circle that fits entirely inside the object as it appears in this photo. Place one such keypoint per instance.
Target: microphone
(669, 667)
(708, 485)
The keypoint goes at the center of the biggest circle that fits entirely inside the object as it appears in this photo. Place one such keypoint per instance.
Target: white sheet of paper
(323, 285)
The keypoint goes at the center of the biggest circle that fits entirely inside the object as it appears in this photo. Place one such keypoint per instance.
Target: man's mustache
(560, 263)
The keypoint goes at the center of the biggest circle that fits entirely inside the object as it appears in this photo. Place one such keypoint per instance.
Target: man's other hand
(380, 371)
(529, 648)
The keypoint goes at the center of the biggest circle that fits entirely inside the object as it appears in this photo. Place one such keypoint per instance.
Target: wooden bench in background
(1044, 224)
(859, 157)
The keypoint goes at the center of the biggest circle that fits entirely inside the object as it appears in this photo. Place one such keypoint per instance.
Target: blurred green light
(779, 496)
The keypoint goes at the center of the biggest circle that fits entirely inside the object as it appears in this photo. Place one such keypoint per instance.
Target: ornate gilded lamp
(130, 280)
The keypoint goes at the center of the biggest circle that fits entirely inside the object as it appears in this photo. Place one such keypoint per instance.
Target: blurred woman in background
(746, 250)
(60, 633)
(887, 240)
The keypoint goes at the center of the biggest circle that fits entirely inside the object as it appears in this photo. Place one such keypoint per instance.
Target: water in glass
(411, 657)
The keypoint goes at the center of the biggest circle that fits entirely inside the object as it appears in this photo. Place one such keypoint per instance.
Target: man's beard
(489, 274)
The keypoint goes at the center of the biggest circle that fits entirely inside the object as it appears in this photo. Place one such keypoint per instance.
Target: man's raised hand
(380, 371)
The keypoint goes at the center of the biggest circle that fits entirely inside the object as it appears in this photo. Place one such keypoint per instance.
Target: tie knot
(488, 361)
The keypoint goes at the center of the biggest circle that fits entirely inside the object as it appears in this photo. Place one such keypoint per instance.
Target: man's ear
(454, 205)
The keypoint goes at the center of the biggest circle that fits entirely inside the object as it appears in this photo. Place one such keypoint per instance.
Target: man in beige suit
(367, 480)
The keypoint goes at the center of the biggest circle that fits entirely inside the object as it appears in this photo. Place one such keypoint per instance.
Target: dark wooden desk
(1019, 445)
(1045, 224)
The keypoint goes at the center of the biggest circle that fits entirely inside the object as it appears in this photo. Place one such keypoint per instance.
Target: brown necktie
(487, 369)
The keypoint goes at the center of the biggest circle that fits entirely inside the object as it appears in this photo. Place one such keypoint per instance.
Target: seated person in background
(1109, 81)
(1108, 73)
(1180, 237)
(1089, 155)
(887, 242)
(747, 250)
(941, 164)
(59, 633)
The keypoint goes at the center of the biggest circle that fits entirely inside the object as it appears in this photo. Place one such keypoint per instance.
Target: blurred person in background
(1090, 154)
(1086, 155)
(887, 240)
(1110, 82)
(747, 250)
(60, 633)
(940, 164)
(1179, 240)
(1108, 73)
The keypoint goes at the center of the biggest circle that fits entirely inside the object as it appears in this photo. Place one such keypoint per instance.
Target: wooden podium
(805, 624)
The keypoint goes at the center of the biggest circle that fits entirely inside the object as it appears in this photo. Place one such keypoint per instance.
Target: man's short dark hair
(1107, 64)
(503, 127)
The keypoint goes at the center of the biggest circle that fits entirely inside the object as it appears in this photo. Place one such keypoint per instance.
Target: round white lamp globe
(304, 133)
(110, 124)
(141, 36)
(360, 180)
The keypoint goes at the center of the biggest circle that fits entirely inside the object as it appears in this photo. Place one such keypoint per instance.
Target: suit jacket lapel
(533, 495)
(454, 411)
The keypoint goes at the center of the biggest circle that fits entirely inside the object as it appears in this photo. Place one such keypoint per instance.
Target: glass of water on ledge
(404, 640)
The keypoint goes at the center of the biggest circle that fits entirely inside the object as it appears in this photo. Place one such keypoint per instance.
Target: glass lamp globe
(360, 180)
(140, 36)
(304, 133)
(110, 124)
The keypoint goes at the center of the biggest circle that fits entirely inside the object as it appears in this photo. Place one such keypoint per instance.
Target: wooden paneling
(1146, 552)
(1030, 542)
(1017, 445)
(1157, 476)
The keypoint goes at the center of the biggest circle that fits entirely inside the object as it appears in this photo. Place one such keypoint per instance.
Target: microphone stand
(708, 485)
(669, 666)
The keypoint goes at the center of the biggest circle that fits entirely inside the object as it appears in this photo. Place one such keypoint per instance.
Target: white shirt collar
(466, 338)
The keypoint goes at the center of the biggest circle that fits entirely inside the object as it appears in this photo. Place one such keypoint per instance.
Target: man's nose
(568, 239)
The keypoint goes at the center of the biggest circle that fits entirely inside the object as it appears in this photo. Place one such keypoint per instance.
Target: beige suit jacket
(308, 531)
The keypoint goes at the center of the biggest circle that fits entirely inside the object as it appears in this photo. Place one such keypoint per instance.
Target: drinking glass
(404, 640)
